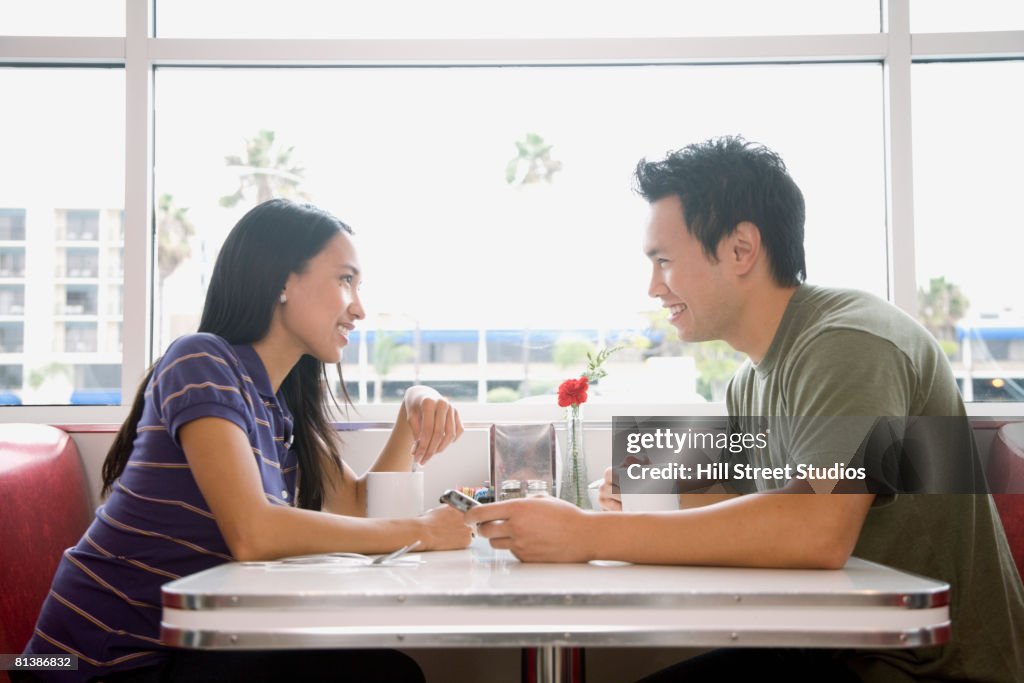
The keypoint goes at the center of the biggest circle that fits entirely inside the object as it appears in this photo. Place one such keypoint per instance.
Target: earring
(283, 298)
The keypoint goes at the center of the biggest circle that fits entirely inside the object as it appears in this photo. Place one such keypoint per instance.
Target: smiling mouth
(675, 310)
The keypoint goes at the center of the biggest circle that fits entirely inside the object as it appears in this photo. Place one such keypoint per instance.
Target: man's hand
(536, 529)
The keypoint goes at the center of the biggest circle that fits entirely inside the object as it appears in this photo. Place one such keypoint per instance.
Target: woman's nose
(356, 309)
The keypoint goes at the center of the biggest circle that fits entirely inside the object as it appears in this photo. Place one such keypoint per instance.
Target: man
(725, 240)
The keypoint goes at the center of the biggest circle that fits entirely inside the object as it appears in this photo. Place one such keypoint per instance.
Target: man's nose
(656, 287)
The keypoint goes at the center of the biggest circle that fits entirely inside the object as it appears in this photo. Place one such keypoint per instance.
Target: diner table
(480, 597)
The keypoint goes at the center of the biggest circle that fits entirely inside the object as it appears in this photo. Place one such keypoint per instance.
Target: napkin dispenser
(521, 452)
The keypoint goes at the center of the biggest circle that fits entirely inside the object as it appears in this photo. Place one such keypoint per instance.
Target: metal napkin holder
(522, 452)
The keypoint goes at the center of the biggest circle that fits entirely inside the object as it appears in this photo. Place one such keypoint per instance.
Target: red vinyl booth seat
(1006, 476)
(45, 507)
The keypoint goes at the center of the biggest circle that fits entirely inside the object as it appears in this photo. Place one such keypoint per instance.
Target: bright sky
(414, 160)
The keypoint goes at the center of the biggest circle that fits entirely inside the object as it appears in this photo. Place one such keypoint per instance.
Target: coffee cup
(649, 502)
(394, 495)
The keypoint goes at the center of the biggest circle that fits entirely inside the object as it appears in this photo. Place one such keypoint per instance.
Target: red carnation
(573, 391)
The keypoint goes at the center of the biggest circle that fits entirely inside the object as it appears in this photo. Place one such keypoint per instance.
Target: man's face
(696, 291)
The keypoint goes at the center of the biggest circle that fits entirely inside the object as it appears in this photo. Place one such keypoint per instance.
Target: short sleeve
(201, 376)
(850, 383)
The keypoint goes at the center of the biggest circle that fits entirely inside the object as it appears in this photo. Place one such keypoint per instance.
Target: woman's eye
(347, 279)
(662, 262)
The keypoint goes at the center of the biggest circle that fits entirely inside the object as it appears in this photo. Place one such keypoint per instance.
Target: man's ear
(744, 247)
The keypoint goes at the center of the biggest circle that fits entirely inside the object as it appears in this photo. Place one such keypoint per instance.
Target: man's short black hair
(727, 180)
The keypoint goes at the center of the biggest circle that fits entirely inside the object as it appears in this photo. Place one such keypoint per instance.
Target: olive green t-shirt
(848, 353)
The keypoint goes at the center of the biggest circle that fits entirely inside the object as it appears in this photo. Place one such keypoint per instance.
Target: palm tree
(536, 154)
(174, 229)
(939, 308)
(267, 168)
(387, 353)
(173, 232)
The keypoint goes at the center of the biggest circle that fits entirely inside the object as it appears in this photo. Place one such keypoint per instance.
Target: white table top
(482, 597)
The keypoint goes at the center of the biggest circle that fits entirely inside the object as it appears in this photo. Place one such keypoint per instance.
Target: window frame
(139, 53)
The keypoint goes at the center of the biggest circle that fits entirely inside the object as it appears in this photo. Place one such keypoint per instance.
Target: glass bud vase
(573, 482)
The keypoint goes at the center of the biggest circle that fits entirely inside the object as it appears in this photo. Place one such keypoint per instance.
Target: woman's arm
(427, 423)
(221, 460)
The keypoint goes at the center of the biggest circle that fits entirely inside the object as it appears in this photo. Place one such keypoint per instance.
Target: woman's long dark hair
(272, 241)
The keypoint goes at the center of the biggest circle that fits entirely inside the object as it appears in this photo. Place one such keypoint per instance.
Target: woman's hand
(434, 421)
(444, 528)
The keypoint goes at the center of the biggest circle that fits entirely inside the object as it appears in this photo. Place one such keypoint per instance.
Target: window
(968, 249)
(489, 180)
(62, 186)
(82, 226)
(12, 224)
(12, 299)
(523, 19)
(931, 16)
(12, 337)
(81, 262)
(509, 239)
(63, 18)
(79, 300)
(12, 261)
(80, 337)
(10, 377)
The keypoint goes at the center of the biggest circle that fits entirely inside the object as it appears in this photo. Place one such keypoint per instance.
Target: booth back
(1006, 475)
(45, 510)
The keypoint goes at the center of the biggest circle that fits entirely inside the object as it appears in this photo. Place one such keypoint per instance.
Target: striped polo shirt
(104, 605)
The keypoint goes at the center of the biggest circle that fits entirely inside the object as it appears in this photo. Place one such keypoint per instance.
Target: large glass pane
(947, 16)
(969, 230)
(523, 19)
(62, 17)
(62, 193)
(491, 268)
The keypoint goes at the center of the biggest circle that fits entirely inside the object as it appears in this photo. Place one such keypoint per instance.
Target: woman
(228, 454)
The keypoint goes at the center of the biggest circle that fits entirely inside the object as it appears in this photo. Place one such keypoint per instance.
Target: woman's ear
(744, 247)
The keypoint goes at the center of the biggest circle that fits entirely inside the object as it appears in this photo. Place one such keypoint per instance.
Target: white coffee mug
(394, 495)
(649, 502)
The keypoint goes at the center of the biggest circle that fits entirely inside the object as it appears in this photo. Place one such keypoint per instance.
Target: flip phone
(459, 501)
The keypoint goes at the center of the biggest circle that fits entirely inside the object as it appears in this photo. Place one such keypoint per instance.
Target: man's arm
(784, 529)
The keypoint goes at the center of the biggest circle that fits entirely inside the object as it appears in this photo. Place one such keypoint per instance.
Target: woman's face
(323, 301)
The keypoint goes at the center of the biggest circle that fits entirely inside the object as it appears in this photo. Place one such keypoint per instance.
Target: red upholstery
(1006, 476)
(45, 503)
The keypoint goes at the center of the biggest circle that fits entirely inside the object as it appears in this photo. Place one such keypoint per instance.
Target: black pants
(755, 664)
(348, 666)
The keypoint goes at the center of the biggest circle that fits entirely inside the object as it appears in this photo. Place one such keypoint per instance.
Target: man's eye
(662, 262)
(347, 279)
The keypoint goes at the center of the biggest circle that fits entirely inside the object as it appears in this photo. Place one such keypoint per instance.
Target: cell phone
(458, 500)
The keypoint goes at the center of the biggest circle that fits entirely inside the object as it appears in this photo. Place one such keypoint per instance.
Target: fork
(383, 559)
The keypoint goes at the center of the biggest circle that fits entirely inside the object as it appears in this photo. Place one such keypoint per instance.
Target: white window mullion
(47, 49)
(568, 51)
(981, 45)
(138, 204)
(899, 156)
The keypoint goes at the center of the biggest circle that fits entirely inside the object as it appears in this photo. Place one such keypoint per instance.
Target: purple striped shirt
(104, 604)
